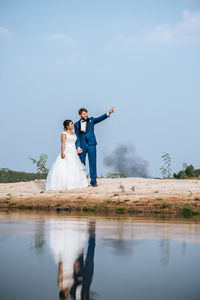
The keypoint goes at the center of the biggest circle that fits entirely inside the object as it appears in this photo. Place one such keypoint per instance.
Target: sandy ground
(134, 194)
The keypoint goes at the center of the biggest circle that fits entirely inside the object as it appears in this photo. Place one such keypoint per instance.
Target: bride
(67, 172)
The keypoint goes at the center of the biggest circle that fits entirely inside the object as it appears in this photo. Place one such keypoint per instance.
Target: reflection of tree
(165, 251)
(118, 240)
(39, 237)
(184, 246)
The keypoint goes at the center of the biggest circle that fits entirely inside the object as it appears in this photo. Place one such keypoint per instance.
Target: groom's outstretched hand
(112, 110)
(79, 150)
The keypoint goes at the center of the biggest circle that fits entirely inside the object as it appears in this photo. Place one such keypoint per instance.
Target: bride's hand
(79, 150)
(62, 155)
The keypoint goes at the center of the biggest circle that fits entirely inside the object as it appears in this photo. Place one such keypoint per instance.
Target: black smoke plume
(124, 160)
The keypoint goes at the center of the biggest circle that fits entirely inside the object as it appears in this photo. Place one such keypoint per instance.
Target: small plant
(166, 169)
(41, 163)
(122, 188)
(58, 204)
(133, 188)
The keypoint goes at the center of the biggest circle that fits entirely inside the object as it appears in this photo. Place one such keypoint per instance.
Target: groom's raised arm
(78, 143)
(103, 117)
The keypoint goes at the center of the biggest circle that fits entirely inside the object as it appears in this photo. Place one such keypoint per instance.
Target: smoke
(124, 160)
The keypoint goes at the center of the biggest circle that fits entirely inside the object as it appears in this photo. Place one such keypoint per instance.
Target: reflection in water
(67, 239)
(85, 258)
(83, 269)
(164, 246)
(39, 237)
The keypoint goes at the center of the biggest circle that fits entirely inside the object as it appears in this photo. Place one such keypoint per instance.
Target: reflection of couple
(68, 170)
(67, 241)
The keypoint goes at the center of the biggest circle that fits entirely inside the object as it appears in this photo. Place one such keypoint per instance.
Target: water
(113, 258)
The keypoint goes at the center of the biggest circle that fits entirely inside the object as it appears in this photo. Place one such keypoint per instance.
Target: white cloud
(59, 37)
(4, 32)
(187, 30)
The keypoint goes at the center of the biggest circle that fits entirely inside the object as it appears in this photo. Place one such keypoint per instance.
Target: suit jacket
(88, 136)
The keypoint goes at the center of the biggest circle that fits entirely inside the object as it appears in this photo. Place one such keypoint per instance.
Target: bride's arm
(63, 139)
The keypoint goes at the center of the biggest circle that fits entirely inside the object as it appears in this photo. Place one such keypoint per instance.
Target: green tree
(190, 171)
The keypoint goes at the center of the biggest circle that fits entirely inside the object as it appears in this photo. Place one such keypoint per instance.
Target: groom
(86, 140)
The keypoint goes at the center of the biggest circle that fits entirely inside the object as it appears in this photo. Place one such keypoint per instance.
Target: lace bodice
(70, 138)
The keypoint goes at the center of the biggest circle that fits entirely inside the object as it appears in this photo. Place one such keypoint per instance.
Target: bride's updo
(66, 123)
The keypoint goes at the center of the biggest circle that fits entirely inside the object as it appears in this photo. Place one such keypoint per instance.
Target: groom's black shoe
(94, 184)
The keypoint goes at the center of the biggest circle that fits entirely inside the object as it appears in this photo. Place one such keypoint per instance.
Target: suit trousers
(92, 157)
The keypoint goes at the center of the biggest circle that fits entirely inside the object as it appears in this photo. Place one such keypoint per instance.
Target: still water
(50, 256)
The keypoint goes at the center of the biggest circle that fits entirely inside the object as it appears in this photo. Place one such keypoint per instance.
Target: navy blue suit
(87, 142)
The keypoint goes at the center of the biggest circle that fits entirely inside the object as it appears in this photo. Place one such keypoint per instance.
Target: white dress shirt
(83, 123)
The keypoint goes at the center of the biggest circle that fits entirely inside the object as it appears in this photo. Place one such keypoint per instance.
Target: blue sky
(142, 57)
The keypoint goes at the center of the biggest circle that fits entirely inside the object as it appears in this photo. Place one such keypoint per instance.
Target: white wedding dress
(67, 173)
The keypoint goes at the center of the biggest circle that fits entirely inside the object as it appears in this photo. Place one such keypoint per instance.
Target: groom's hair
(81, 110)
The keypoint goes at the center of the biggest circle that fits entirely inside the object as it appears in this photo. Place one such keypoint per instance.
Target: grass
(165, 205)
(25, 206)
(5, 201)
(12, 203)
(58, 204)
(120, 210)
(126, 200)
(196, 199)
(187, 210)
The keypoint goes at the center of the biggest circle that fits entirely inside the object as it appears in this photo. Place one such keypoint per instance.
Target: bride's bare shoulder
(63, 134)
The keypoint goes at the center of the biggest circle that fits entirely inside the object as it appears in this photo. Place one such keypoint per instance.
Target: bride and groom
(68, 170)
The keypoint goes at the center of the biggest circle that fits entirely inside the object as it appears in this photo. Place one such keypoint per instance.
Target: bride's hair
(66, 123)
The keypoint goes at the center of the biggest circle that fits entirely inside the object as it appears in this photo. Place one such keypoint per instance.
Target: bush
(7, 175)
(115, 175)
